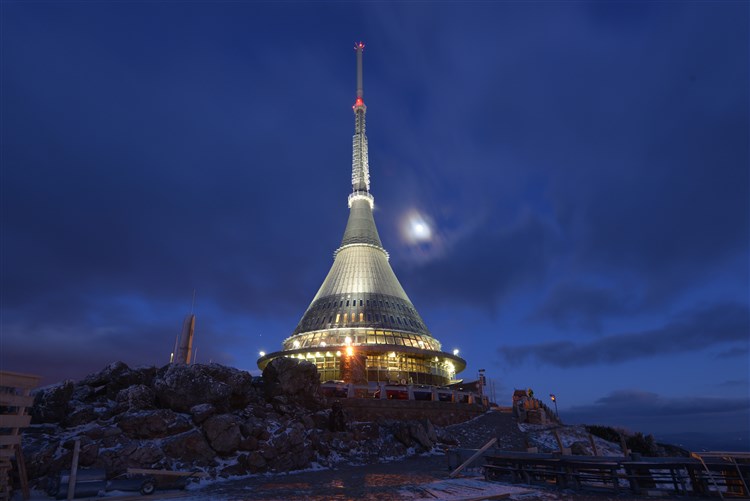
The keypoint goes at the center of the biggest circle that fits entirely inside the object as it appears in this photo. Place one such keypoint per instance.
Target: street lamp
(554, 399)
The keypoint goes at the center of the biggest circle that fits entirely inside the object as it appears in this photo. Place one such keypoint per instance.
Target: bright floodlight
(455, 352)
(262, 353)
(349, 351)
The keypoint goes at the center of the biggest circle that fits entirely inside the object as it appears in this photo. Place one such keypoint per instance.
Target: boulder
(293, 378)
(145, 456)
(81, 415)
(248, 444)
(430, 429)
(117, 376)
(137, 397)
(181, 387)
(223, 433)
(201, 412)
(189, 447)
(153, 423)
(401, 432)
(418, 432)
(255, 462)
(51, 405)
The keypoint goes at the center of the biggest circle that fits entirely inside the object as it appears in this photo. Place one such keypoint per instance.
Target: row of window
(345, 318)
(363, 302)
(330, 365)
(369, 337)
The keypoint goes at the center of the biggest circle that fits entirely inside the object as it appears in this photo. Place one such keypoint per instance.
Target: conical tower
(361, 326)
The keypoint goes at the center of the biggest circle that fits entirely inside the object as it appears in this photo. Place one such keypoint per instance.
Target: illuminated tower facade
(361, 326)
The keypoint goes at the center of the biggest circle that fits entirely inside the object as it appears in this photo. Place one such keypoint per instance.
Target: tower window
(361, 317)
(338, 316)
(346, 317)
(369, 317)
(347, 302)
(360, 302)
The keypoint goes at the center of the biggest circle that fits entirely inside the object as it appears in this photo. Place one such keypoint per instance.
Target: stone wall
(439, 413)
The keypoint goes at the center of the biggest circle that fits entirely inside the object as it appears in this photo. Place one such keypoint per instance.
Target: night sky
(583, 168)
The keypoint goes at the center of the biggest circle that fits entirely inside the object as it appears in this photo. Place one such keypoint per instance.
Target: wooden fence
(15, 398)
(723, 475)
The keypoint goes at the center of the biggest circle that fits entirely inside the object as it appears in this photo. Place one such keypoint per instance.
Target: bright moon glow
(416, 228)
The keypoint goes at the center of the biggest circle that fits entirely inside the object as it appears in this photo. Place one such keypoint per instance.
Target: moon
(417, 228)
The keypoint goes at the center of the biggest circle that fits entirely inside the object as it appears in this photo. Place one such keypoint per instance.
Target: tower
(184, 349)
(361, 326)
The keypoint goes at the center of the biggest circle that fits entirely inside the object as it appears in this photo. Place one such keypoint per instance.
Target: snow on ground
(543, 437)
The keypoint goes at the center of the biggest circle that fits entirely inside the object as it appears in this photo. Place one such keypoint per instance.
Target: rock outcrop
(206, 417)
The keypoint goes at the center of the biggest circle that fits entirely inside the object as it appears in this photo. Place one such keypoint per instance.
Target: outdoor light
(296, 344)
(347, 340)
(554, 399)
(338, 353)
(323, 344)
(455, 352)
(262, 353)
(349, 351)
(392, 354)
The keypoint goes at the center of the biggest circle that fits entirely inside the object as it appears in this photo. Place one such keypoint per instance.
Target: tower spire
(360, 161)
(360, 47)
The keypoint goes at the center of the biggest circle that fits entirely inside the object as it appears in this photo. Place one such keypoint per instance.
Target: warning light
(359, 102)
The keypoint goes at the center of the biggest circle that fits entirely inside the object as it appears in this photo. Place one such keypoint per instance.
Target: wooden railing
(723, 475)
(15, 399)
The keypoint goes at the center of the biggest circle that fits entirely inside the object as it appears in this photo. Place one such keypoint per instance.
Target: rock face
(207, 417)
(295, 379)
(180, 387)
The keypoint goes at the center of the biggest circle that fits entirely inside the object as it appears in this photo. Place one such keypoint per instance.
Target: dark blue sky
(584, 166)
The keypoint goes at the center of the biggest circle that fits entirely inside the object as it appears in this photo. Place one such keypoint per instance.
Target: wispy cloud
(635, 409)
(695, 330)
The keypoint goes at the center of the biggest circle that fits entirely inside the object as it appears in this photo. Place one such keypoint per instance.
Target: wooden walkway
(723, 475)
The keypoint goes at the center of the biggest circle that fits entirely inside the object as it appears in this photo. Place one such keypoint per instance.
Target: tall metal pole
(359, 48)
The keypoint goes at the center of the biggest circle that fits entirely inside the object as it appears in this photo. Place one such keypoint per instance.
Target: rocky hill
(205, 417)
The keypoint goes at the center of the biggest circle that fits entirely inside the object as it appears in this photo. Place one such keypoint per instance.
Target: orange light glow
(349, 351)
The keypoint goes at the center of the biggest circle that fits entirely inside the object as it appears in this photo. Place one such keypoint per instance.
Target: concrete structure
(361, 326)
(185, 346)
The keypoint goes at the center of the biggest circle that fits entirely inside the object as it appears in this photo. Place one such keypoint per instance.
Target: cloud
(734, 352)
(692, 331)
(637, 409)
(571, 304)
(486, 264)
(734, 383)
